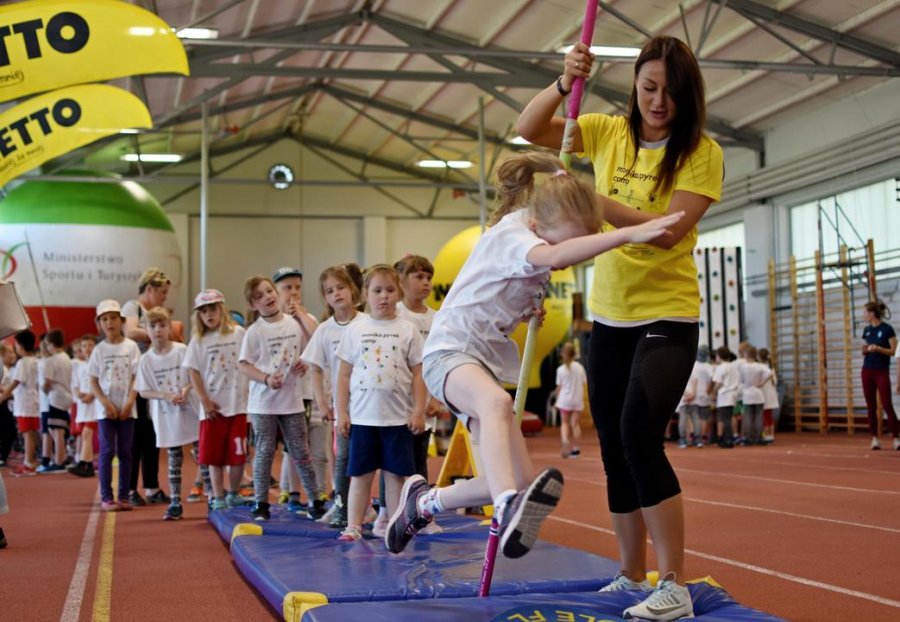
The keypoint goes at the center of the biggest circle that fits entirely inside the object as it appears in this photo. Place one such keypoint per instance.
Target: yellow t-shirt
(638, 282)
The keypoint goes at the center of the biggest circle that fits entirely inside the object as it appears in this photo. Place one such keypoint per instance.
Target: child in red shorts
(25, 393)
(212, 362)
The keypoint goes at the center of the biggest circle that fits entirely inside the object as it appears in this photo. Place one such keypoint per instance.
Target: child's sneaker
(316, 509)
(174, 512)
(261, 511)
(135, 498)
(295, 507)
(523, 513)
(195, 495)
(339, 520)
(379, 526)
(219, 504)
(125, 505)
(283, 497)
(621, 583)
(329, 514)
(896, 444)
(876, 444)
(23, 470)
(109, 506)
(565, 451)
(3, 541)
(669, 601)
(574, 453)
(407, 520)
(82, 469)
(232, 500)
(158, 498)
(350, 534)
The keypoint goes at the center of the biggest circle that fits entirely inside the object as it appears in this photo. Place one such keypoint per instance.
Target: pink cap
(208, 297)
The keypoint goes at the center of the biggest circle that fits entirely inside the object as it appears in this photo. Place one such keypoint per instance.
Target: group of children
(727, 389)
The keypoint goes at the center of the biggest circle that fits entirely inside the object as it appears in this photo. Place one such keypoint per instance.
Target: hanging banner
(45, 45)
(49, 125)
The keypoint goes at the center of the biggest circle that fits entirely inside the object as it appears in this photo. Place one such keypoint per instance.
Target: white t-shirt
(702, 377)
(306, 380)
(382, 353)
(752, 374)
(215, 357)
(43, 400)
(81, 381)
(770, 391)
(423, 322)
(26, 394)
(114, 366)
(494, 291)
(726, 375)
(163, 372)
(322, 350)
(58, 368)
(274, 347)
(571, 380)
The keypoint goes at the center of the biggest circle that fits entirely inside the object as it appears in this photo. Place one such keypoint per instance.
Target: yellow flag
(49, 44)
(49, 125)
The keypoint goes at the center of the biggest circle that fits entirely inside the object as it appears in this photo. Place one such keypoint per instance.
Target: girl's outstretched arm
(575, 250)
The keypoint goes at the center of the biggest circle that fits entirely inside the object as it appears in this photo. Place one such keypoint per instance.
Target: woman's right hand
(652, 229)
(578, 63)
(344, 425)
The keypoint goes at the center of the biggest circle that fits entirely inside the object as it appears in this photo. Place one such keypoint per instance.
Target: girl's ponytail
(515, 181)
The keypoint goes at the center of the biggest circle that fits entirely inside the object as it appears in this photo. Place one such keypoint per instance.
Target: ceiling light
(197, 33)
(518, 140)
(153, 157)
(129, 130)
(444, 164)
(607, 50)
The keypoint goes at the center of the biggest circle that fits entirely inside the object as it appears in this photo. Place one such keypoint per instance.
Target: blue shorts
(374, 447)
(54, 419)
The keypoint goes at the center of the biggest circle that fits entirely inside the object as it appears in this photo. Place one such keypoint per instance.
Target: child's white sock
(502, 499)
(430, 503)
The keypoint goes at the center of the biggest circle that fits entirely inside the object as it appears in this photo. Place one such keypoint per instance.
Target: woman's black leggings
(636, 376)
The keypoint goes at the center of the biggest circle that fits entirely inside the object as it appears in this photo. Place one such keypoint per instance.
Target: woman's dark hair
(877, 308)
(686, 88)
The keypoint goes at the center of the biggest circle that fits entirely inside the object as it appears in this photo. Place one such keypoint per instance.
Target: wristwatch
(559, 87)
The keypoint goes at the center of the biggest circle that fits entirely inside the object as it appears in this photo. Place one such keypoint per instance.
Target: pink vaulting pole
(565, 154)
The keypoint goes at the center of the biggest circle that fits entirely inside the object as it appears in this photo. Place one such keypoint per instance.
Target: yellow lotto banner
(49, 125)
(48, 44)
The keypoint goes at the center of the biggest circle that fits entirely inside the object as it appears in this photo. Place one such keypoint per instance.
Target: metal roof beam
(241, 104)
(860, 46)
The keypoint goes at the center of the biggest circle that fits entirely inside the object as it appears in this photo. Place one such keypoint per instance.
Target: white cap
(208, 297)
(107, 306)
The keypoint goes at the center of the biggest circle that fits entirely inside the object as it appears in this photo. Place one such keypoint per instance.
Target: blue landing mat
(711, 604)
(308, 571)
(284, 523)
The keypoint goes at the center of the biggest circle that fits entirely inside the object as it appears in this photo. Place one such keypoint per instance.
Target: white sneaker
(329, 514)
(669, 601)
(379, 527)
(876, 444)
(896, 443)
(622, 583)
(432, 528)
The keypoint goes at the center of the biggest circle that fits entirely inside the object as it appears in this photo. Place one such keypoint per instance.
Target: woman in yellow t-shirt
(644, 300)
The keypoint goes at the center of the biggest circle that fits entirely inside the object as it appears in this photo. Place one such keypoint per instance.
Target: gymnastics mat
(711, 604)
(293, 574)
(232, 522)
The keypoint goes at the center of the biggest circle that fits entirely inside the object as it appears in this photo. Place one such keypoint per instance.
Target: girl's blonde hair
(412, 264)
(226, 326)
(342, 274)
(560, 198)
(157, 314)
(568, 353)
(250, 286)
(381, 268)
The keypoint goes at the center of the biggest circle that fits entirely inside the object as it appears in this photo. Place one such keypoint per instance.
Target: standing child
(770, 395)
(469, 353)
(25, 393)
(8, 432)
(164, 383)
(753, 376)
(289, 283)
(725, 386)
(86, 411)
(112, 367)
(702, 375)
(212, 362)
(56, 385)
(341, 296)
(380, 396)
(571, 380)
(270, 358)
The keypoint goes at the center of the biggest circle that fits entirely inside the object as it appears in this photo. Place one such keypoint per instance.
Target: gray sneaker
(407, 520)
(621, 583)
(669, 601)
(523, 514)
